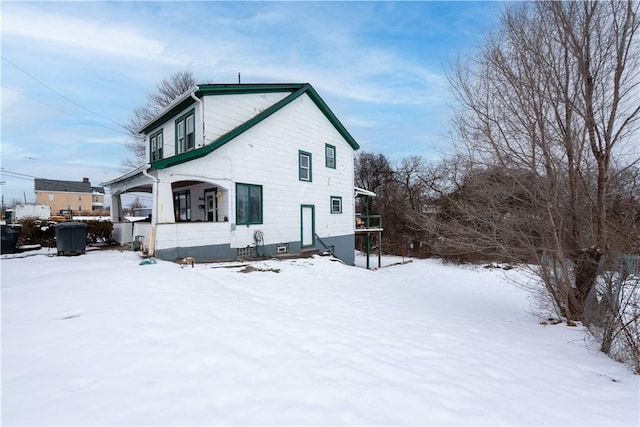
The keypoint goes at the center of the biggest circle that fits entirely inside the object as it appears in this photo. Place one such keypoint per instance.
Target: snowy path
(101, 340)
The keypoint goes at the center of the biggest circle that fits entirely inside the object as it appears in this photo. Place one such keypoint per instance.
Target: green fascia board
(332, 117)
(219, 89)
(152, 125)
(247, 88)
(298, 90)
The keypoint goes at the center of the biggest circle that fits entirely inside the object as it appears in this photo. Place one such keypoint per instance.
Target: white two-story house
(237, 170)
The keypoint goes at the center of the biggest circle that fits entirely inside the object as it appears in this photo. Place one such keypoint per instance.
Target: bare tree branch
(166, 91)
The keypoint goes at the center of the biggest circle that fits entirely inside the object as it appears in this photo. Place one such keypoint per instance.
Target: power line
(3, 170)
(60, 94)
(59, 109)
(17, 175)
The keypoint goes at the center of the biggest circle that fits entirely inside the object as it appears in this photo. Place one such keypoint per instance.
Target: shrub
(99, 231)
(42, 232)
(37, 232)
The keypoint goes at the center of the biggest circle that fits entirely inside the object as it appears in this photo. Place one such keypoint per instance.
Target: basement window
(282, 248)
(244, 252)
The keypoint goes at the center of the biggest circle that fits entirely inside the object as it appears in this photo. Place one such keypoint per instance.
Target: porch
(184, 212)
(368, 227)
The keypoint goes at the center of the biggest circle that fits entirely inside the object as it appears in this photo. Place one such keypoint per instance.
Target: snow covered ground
(100, 340)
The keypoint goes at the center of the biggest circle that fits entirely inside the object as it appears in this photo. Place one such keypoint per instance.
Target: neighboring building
(69, 197)
(32, 210)
(244, 169)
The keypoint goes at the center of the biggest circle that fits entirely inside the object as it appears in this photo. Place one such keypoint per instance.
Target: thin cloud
(12, 150)
(106, 140)
(86, 34)
(377, 64)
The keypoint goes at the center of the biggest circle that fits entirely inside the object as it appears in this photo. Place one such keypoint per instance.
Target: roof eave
(129, 175)
(168, 110)
(296, 89)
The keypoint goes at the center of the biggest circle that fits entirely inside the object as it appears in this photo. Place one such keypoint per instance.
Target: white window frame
(330, 160)
(337, 199)
(305, 171)
(156, 146)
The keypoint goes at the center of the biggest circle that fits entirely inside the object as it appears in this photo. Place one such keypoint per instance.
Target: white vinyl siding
(267, 154)
(223, 113)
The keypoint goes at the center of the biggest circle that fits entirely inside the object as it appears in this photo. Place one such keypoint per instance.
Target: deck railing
(368, 222)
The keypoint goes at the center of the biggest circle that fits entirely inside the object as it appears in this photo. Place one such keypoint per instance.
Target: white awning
(363, 192)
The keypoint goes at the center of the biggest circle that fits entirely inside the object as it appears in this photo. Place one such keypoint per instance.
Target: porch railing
(368, 222)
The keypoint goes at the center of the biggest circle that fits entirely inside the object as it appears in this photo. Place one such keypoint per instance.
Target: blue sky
(72, 72)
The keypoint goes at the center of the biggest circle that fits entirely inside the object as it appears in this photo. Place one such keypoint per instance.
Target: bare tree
(136, 204)
(166, 91)
(551, 104)
(15, 201)
(372, 171)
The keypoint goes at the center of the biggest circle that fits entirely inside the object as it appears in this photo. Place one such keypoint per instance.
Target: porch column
(116, 208)
(163, 203)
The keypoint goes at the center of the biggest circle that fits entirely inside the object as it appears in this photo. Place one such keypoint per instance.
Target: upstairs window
(304, 166)
(156, 146)
(248, 204)
(185, 132)
(330, 156)
(336, 204)
(190, 136)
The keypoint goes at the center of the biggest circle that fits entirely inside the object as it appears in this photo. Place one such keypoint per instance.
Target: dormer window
(156, 146)
(185, 132)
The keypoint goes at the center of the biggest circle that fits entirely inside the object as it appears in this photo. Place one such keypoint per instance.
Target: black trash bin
(10, 234)
(71, 238)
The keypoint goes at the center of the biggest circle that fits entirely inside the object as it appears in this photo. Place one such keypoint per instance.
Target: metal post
(367, 225)
(379, 249)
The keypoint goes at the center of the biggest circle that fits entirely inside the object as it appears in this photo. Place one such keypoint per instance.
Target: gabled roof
(182, 102)
(65, 186)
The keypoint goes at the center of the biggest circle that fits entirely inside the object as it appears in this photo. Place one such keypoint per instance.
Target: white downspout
(154, 210)
(193, 95)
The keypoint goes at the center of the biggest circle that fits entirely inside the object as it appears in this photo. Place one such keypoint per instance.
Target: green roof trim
(185, 100)
(167, 115)
(297, 91)
(246, 88)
